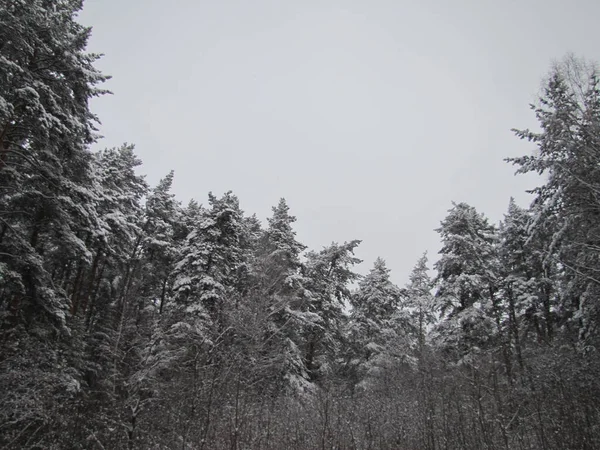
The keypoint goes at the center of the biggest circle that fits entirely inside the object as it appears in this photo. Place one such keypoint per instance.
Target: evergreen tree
(46, 209)
(328, 274)
(467, 279)
(376, 324)
(420, 301)
(280, 290)
(160, 245)
(567, 206)
(207, 268)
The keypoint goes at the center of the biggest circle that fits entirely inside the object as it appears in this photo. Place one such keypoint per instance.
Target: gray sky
(369, 117)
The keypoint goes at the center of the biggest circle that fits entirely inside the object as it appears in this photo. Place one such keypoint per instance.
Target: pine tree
(105, 292)
(467, 279)
(377, 322)
(45, 126)
(207, 267)
(420, 301)
(566, 205)
(279, 288)
(328, 274)
(279, 255)
(162, 214)
(529, 281)
(46, 209)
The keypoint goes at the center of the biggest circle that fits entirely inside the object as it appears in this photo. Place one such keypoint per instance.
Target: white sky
(369, 116)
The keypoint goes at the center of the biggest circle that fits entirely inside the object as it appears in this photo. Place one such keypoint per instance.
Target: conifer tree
(162, 215)
(376, 320)
(328, 274)
(209, 260)
(46, 209)
(467, 279)
(279, 287)
(419, 299)
(566, 207)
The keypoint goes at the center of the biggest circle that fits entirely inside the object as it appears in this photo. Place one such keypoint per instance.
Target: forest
(131, 321)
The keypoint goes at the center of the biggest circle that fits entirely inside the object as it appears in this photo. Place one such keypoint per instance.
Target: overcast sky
(370, 117)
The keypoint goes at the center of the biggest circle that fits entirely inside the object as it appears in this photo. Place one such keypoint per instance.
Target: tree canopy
(128, 320)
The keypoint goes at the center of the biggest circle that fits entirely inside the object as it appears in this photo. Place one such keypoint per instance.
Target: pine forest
(129, 320)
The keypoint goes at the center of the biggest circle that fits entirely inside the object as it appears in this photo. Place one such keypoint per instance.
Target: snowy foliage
(129, 321)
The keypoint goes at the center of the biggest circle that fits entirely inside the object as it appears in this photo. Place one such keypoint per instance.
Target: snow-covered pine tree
(105, 292)
(279, 293)
(115, 243)
(467, 280)
(200, 353)
(209, 260)
(529, 281)
(566, 205)
(162, 216)
(45, 127)
(377, 323)
(420, 301)
(46, 208)
(328, 275)
(279, 256)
